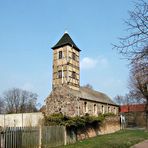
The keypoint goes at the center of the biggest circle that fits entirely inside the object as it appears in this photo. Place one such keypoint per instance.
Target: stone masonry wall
(62, 101)
(95, 108)
(110, 125)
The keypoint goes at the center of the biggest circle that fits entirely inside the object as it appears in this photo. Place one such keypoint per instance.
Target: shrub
(76, 122)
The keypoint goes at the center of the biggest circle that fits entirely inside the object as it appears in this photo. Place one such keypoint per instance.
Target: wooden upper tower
(66, 69)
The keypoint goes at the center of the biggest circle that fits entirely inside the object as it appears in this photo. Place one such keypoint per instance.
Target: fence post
(0, 139)
(65, 136)
(40, 136)
(2, 144)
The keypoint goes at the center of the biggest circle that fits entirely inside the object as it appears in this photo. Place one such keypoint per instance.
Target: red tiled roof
(132, 108)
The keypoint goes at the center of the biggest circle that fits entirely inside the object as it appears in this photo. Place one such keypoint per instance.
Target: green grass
(121, 139)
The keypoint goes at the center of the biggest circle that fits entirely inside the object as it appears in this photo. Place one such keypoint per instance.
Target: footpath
(143, 144)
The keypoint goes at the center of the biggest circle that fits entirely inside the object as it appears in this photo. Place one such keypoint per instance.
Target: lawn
(120, 139)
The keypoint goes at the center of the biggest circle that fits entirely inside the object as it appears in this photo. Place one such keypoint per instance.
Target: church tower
(66, 69)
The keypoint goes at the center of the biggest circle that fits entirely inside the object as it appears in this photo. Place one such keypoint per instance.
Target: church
(67, 96)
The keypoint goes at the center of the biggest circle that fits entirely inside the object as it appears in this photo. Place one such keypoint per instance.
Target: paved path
(143, 144)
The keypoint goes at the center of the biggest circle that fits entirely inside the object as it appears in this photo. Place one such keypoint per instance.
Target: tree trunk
(146, 112)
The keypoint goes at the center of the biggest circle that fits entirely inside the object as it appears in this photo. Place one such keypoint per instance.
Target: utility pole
(146, 108)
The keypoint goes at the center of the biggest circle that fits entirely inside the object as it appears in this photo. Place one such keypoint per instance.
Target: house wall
(62, 101)
(21, 119)
(95, 108)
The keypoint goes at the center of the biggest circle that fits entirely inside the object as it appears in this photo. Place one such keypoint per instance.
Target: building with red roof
(134, 114)
(132, 108)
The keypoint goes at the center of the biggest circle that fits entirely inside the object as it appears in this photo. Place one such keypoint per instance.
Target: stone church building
(67, 96)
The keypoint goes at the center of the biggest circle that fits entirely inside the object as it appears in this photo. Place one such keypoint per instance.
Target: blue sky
(29, 28)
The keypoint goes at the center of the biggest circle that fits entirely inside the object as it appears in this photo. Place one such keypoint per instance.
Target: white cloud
(103, 62)
(89, 63)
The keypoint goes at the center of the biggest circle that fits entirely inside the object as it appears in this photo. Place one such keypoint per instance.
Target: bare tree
(135, 45)
(138, 84)
(119, 99)
(17, 101)
(1, 106)
(88, 86)
(127, 99)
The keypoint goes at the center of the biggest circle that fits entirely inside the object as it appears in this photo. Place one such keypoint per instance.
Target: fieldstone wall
(61, 100)
(64, 100)
(95, 108)
(110, 125)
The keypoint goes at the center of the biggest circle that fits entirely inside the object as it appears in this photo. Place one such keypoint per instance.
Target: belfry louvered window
(60, 74)
(60, 55)
(73, 56)
(74, 75)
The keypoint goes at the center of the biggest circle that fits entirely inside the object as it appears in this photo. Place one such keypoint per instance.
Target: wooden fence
(34, 137)
(53, 136)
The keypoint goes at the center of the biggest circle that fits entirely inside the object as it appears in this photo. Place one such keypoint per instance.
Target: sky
(29, 28)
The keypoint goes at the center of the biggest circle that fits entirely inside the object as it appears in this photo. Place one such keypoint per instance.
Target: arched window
(85, 107)
(102, 109)
(95, 109)
(115, 110)
(109, 110)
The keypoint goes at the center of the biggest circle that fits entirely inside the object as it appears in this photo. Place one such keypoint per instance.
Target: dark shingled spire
(66, 40)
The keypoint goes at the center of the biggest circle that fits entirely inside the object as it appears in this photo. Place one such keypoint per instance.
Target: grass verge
(120, 139)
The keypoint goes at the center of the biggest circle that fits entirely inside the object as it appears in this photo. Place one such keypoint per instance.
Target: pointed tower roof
(66, 40)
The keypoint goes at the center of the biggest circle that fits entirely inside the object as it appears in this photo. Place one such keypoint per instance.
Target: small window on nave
(95, 109)
(85, 107)
(102, 109)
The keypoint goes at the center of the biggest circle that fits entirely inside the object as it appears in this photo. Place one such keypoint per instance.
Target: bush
(76, 122)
